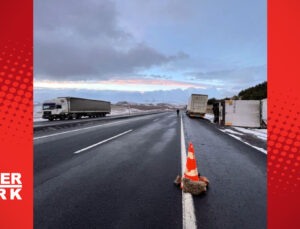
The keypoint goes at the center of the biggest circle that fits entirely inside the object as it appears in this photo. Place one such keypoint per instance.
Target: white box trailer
(71, 107)
(197, 105)
(244, 113)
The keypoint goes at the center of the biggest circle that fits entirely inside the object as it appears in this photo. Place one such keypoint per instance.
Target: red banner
(283, 114)
(16, 87)
(16, 130)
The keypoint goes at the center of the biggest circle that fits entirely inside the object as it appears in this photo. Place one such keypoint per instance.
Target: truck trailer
(197, 105)
(70, 107)
(243, 113)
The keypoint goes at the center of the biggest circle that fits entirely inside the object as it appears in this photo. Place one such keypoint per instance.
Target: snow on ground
(257, 137)
(115, 110)
(125, 111)
(37, 113)
(240, 139)
(209, 117)
(260, 133)
(232, 131)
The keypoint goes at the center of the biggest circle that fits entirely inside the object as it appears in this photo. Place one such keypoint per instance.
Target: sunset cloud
(120, 84)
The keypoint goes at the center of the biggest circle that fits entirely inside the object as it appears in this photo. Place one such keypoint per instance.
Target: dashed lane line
(104, 141)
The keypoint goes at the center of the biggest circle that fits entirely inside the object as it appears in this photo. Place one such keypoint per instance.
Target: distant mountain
(175, 97)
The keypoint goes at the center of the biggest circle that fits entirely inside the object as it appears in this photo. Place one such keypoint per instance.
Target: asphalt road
(124, 183)
(120, 175)
(237, 195)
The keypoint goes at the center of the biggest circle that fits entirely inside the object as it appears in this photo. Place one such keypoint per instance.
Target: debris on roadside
(193, 187)
(178, 181)
(190, 186)
(192, 182)
(204, 179)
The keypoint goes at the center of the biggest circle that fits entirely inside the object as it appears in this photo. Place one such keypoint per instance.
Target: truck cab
(55, 109)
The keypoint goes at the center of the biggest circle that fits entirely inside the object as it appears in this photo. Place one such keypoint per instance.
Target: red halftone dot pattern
(284, 142)
(16, 91)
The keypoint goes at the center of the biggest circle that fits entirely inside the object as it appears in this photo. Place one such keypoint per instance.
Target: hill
(257, 92)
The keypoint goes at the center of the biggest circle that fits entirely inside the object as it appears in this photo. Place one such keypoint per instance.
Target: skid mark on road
(167, 137)
(188, 211)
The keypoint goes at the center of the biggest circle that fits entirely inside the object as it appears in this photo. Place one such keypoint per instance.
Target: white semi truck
(71, 107)
(197, 105)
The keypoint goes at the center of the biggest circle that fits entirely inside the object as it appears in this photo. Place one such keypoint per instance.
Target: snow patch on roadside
(37, 113)
(238, 138)
(240, 131)
(209, 117)
(231, 131)
(260, 133)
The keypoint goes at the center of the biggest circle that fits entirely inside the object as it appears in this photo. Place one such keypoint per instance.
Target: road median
(39, 126)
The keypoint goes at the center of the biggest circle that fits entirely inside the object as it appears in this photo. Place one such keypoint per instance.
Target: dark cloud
(88, 18)
(81, 40)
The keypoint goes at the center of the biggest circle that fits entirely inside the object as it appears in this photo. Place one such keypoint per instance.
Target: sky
(154, 49)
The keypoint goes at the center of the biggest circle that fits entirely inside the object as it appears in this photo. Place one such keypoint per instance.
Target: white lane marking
(188, 210)
(155, 120)
(238, 138)
(99, 143)
(86, 128)
(258, 148)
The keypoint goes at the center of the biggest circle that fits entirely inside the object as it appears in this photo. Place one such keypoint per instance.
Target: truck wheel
(50, 119)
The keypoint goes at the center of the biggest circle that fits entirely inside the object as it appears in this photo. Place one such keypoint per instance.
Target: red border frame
(16, 73)
(283, 115)
(16, 48)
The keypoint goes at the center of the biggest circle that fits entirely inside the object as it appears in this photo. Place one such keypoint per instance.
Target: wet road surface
(237, 195)
(123, 176)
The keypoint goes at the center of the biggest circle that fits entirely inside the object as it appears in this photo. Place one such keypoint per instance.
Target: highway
(120, 173)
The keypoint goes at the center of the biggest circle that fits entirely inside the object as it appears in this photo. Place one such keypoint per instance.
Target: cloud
(238, 76)
(156, 76)
(81, 43)
(82, 40)
(153, 82)
(175, 96)
(119, 84)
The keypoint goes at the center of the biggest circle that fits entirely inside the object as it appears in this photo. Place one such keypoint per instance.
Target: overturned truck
(244, 113)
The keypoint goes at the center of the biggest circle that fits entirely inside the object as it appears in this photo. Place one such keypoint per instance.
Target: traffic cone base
(204, 179)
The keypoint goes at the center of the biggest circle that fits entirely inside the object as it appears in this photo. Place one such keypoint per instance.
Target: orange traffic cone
(191, 171)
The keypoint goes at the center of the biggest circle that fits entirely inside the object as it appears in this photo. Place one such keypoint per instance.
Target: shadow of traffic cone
(191, 171)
